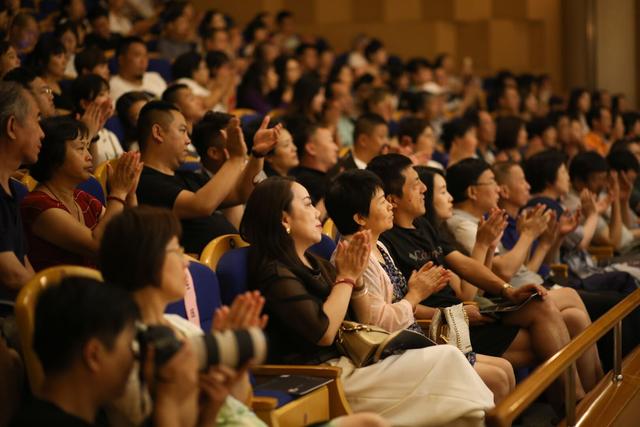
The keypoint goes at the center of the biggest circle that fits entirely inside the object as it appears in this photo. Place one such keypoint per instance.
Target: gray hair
(13, 102)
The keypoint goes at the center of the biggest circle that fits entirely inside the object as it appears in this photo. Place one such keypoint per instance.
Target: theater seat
(232, 273)
(114, 124)
(25, 313)
(19, 189)
(218, 246)
(93, 187)
(324, 248)
(207, 289)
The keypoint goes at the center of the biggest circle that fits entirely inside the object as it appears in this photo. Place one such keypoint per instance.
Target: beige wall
(522, 35)
(615, 34)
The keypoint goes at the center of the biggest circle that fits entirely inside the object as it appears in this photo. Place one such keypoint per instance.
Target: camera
(231, 348)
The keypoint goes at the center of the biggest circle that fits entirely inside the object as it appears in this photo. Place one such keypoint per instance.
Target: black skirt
(492, 339)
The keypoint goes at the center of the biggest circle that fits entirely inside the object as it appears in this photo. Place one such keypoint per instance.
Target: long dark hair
(261, 226)
(427, 176)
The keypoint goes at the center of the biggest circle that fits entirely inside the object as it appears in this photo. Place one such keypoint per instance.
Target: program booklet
(296, 385)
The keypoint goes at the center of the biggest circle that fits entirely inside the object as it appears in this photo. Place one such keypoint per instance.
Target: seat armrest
(324, 371)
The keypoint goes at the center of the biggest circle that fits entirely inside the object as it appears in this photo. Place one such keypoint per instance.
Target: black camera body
(231, 348)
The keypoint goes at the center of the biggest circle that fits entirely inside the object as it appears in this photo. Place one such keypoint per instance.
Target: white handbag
(450, 325)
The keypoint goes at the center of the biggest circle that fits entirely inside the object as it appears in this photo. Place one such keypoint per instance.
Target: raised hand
(352, 257)
(588, 203)
(549, 234)
(243, 313)
(625, 186)
(235, 139)
(123, 179)
(534, 221)
(490, 230)
(427, 281)
(266, 139)
(568, 222)
(215, 385)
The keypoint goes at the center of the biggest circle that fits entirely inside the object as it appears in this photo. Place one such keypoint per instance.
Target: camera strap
(190, 300)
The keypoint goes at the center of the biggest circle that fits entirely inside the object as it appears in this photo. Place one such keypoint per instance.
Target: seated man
(133, 61)
(176, 36)
(20, 144)
(413, 241)
(83, 336)
(416, 140)
(460, 141)
(92, 61)
(590, 170)
(370, 139)
(475, 193)
(318, 153)
(40, 90)
(195, 199)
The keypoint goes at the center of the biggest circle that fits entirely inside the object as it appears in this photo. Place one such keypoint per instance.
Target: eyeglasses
(46, 90)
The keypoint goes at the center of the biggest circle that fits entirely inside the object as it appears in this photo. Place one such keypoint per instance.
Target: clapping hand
(352, 256)
(243, 313)
(490, 230)
(266, 139)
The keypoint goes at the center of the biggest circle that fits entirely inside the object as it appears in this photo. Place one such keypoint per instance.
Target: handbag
(367, 344)
(450, 325)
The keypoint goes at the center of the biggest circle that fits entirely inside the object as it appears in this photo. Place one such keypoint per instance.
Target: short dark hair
(216, 59)
(538, 126)
(170, 94)
(585, 164)
(282, 15)
(46, 47)
(86, 88)
(622, 160)
(453, 129)
(507, 129)
(126, 42)
(389, 168)
(542, 168)
(88, 59)
(462, 175)
(172, 11)
(412, 127)
(96, 12)
(414, 64)
(206, 133)
(153, 112)
(21, 75)
(351, 193)
(372, 47)
(301, 129)
(57, 131)
(132, 250)
(71, 313)
(185, 65)
(366, 124)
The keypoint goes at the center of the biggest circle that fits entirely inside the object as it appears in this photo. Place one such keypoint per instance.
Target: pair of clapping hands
(186, 396)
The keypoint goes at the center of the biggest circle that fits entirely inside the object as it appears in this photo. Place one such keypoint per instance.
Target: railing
(562, 362)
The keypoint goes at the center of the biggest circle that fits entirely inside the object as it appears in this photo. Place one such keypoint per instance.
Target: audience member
(133, 61)
(49, 61)
(9, 58)
(128, 108)
(64, 225)
(92, 61)
(20, 137)
(38, 88)
(307, 299)
(460, 141)
(370, 139)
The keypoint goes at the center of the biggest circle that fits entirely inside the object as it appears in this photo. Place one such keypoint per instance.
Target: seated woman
(128, 108)
(93, 103)
(191, 69)
(355, 201)
(64, 225)
(284, 155)
(256, 87)
(49, 61)
(140, 253)
(307, 300)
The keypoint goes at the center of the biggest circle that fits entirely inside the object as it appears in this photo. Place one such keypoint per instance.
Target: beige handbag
(366, 344)
(450, 325)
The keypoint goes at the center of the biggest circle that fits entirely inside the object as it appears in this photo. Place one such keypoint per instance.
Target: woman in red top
(64, 225)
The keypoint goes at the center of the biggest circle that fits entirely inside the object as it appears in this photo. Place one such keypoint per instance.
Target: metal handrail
(562, 362)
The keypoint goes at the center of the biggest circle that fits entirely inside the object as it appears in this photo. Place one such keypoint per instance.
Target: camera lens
(232, 348)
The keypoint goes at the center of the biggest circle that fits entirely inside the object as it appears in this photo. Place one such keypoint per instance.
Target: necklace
(75, 205)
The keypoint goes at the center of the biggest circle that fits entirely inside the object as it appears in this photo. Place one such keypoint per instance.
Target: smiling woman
(64, 225)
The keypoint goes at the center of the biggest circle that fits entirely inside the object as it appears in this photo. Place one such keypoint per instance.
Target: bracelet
(347, 281)
(117, 199)
(505, 286)
(257, 155)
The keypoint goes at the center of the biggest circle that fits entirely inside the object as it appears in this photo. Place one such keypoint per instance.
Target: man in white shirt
(133, 60)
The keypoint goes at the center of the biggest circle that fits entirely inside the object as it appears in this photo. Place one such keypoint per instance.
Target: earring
(288, 230)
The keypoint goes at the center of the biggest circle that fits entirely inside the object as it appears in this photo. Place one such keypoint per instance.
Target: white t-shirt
(107, 147)
(152, 82)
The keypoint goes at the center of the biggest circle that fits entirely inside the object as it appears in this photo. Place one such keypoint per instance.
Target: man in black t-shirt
(413, 241)
(19, 144)
(195, 199)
